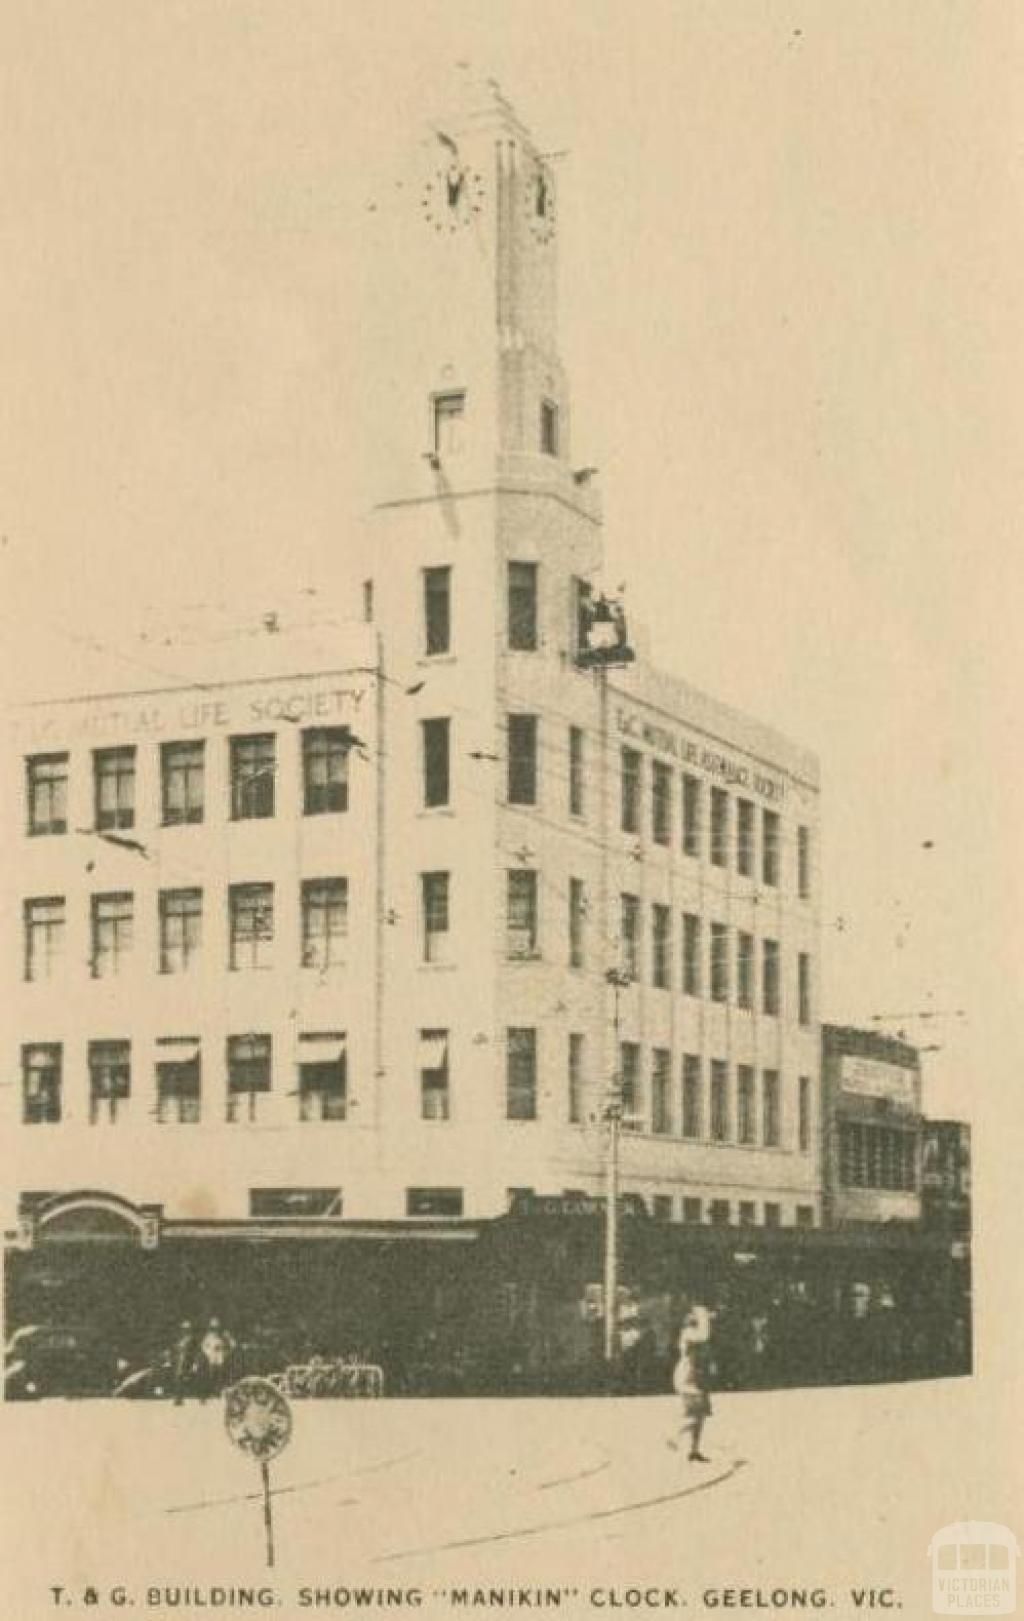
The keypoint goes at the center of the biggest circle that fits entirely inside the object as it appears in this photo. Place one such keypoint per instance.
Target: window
(253, 764)
(692, 1111)
(745, 838)
(449, 411)
(181, 922)
(770, 1107)
(908, 1178)
(661, 1207)
(109, 1079)
(435, 1102)
(434, 898)
(719, 962)
(521, 912)
(549, 427)
(298, 1203)
(805, 1215)
(47, 782)
(436, 739)
(772, 1214)
(44, 936)
(178, 1080)
(693, 1211)
(719, 1101)
(112, 919)
(719, 1212)
(691, 815)
(874, 1158)
(744, 1104)
(521, 1074)
(803, 964)
(433, 1201)
(719, 827)
(324, 922)
(852, 1156)
(522, 759)
(661, 802)
(323, 1075)
(522, 607)
(747, 1213)
(41, 1083)
(770, 847)
(577, 922)
(661, 947)
(368, 602)
(691, 953)
(248, 1075)
(576, 771)
(629, 1081)
(630, 934)
(770, 976)
(325, 752)
(114, 788)
(251, 911)
(576, 1078)
(630, 791)
(890, 1149)
(803, 862)
(181, 782)
(437, 610)
(661, 1091)
(745, 969)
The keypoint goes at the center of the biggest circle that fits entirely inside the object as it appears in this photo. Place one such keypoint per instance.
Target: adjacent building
(946, 1177)
(871, 1141)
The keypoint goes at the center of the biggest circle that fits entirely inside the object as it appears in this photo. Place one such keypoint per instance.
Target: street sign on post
(258, 1420)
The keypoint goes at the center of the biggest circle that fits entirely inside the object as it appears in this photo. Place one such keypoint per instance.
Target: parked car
(47, 1359)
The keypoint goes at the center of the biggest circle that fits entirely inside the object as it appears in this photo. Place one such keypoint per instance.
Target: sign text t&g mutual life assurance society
(701, 755)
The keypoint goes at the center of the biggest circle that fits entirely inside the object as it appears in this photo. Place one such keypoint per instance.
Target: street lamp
(604, 646)
(613, 1114)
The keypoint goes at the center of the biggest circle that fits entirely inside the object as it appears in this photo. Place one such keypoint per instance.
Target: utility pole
(606, 647)
(613, 1114)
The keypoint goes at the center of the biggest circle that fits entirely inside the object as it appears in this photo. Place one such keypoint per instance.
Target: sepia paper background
(791, 237)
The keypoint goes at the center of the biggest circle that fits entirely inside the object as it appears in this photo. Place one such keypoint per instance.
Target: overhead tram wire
(568, 827)
(477, 713)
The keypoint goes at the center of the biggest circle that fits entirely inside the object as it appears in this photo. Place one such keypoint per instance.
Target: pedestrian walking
(183, 1362)
(215, 1351)
(691, 1380)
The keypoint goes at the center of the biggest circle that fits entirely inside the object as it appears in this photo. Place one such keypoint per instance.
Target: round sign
(257, 1418)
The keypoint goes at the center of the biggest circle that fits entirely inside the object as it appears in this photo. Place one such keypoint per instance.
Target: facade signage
(668, 740)
(176, 714)
(573, 1204)
(872, 1078)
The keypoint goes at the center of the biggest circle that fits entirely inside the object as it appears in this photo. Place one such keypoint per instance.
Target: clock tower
(468, 386)
(484, 539)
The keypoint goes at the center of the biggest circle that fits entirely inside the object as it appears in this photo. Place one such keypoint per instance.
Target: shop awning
(183, 1051)
(325, 1049)
(434, 1050)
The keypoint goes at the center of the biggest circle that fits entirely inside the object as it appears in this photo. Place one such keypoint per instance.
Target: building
(355, 936)
(871, 1110)
(946, 1176)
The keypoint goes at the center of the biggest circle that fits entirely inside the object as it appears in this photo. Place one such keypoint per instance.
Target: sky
(791, 313)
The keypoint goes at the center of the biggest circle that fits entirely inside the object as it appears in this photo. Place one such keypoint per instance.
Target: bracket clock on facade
(540, 202)
(452, 197)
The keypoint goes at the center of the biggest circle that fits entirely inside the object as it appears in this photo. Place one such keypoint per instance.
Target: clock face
(452, 197)
(540, 203)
